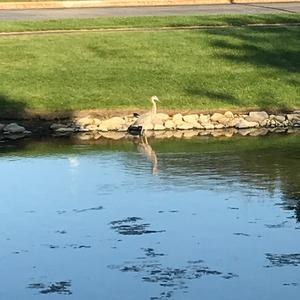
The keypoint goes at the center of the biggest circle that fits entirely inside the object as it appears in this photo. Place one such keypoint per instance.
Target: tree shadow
(205, 93)
(11, 108)
(262, 47)
(271, 53)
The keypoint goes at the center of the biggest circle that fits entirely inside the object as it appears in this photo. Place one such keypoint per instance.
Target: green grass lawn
(205, 69)
(145, 22)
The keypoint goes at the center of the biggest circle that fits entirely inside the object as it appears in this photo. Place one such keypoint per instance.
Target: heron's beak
(158, 100)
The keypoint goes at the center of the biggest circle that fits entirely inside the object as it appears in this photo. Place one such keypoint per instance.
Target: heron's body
(145, 121)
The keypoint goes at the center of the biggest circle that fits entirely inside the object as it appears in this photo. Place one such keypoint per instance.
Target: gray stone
(185, 126)
(208, 126)
(177, 119)
(229, 115)
(1, 127)
(92, 127)
(114, 123)
(159, 127)
(64, 130)
(97, 121)
(197, 125)
(191, 118)
(233, 122)
(224, 121)
(246, 124)
(56, 126)
(85, 121)
(169, 124)
(204, 119)
(257, 116)
(216, 117)
(14, 128)
(293, 117)
(219, 126)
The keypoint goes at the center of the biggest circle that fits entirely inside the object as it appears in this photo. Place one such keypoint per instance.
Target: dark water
(201, 218)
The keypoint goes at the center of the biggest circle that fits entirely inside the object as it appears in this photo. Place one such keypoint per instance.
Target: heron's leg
(143, 132)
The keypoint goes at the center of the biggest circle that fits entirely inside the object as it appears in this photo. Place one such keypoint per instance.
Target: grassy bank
(206, 69)
(145, 22)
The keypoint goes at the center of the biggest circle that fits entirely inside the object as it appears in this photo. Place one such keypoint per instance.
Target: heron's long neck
(154, 107)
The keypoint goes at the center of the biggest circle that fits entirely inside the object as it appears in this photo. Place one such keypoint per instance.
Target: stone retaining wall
(165, 123)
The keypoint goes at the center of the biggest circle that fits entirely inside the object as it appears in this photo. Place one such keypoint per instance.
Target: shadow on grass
(220, 96)
(273, 52)
(11, 108)
(263, 47)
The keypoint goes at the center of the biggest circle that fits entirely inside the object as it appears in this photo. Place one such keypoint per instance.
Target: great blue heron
(145, 121)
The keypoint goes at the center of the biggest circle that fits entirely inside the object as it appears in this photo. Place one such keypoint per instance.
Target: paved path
(31, 14)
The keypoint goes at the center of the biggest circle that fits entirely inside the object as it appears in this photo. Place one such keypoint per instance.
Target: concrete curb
(123, 3)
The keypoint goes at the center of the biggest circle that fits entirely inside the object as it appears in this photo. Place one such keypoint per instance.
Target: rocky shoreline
(253, 123)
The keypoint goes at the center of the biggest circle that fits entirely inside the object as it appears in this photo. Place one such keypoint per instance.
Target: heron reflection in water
(144, 148)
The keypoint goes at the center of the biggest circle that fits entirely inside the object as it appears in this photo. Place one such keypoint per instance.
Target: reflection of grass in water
(259, 161)
(235, 144)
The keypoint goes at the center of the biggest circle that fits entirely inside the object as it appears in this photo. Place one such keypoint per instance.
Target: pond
(200, 218)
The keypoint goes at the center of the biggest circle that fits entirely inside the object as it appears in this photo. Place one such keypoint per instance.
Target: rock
(257, 116)
(219, 126)
(293, 117)
(169, 124)
(224, 121)
(216, 117)
(92, 127)
(197, 125)
(56, 126)
(1, 127)
(102, 128)
(185, 126)
(123, 128)
(177, 119)
(97, 121)
(265, 123)
(208, 126)
(229, 115)
(85, 121)
(159, 127)
(233, 122)
(14, 128)
(246, 124)
(114, 123)
(191, 118)
(204, 119)
(64, 130)
(162, 116)
(285, 123)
